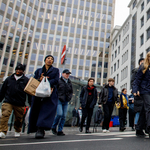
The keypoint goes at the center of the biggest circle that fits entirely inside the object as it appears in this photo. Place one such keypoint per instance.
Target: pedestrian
(142, 88)
(88, 99)
(108, 96)
(65, 92)
(43, 110)
(79, 116)
(131, 111)
(12, 92)
(74, 115)
(124, 105)
(138, 103)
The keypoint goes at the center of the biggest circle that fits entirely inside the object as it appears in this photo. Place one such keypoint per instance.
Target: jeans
(60, 116)
(136, 118)
(108, 109)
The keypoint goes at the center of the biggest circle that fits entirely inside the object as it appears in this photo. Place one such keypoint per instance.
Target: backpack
(98, 116)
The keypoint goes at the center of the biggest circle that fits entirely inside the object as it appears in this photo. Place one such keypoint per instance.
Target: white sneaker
(104, 130)
(107, 131)
(17, 134)
(2, 135)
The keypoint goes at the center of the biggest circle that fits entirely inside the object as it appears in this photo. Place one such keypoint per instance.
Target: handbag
(44, 89)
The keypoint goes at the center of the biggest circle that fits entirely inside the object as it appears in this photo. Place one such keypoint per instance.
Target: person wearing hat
(65, 92)
(12, 92)
(107, 97)
(43, 110)
(138, 105)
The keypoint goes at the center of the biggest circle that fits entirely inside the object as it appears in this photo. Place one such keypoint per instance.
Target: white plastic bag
(44, 89)
(27, 117)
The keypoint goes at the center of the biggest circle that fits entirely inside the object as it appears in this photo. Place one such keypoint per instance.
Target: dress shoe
(87, 131)
(80, 129)
(54, 131)
(40, 133)
(60, 133)
(140, 133)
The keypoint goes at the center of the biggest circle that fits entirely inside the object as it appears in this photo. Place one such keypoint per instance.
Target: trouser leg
(84, 115)
(89, 117)
(6, 112)
(18, 112)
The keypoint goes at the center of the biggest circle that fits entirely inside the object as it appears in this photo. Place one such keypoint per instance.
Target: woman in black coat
(43, 110)
(142, 88)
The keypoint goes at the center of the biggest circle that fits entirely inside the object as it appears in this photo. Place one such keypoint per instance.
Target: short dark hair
(123, 89)
(91, 79)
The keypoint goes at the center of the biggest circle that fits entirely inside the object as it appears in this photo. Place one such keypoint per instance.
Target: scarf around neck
(90, 89)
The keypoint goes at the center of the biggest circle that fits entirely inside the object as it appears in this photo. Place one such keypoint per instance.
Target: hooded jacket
(103, 96)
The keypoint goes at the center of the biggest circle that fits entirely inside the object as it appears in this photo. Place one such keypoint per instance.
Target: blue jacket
(142, 81)
(43, 110)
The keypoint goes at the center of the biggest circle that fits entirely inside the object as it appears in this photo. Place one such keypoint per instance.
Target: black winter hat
(48, 56)
(20, 67)
(140, 60)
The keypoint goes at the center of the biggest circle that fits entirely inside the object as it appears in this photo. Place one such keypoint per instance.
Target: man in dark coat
(88, 99)
(107, 97)
(65, 92)
(43, 110)
(13, 92)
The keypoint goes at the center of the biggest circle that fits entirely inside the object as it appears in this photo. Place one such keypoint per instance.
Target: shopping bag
(44, 89)
(31, 86)
(27, 117)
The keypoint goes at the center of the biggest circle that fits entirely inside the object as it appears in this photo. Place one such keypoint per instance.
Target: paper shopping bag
(31, 86)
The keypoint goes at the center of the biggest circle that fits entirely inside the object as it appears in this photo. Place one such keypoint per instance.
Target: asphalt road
(74, 140)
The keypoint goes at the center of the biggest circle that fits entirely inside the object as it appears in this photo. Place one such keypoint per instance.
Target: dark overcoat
(43, 110)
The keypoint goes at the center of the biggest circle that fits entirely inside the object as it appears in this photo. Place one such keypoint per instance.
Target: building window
(118, 64)
(119, 50)
(112, 57)
(142, 39)
(115, 53)
(116, 42)
(142, 6)
(148, 14)
(142, 21)
(117, 78)
(148, 50)
(134, 4)
(114, 67)
(148, 33)
(119, 37)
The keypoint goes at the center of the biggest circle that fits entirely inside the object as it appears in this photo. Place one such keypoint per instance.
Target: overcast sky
(121, 11)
